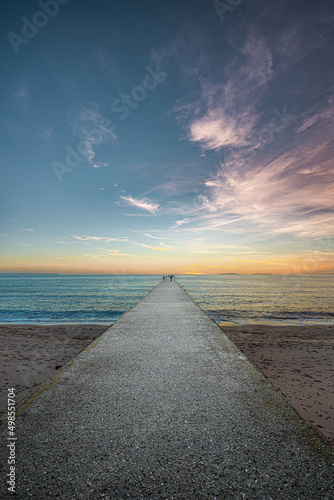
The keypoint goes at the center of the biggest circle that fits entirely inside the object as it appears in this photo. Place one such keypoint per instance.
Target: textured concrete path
(163, 405)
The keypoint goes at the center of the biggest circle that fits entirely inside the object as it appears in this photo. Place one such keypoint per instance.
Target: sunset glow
(169, 140)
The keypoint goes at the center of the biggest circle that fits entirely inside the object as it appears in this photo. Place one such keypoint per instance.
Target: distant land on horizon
(222, 274)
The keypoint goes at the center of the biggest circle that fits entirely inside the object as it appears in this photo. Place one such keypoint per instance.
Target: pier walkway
(164, 406)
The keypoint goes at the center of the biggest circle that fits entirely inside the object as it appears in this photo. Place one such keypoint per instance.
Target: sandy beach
(30, 354)
(299, 362)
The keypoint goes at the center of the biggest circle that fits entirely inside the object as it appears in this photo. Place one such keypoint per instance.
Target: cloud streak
(143, 204)
(88, 126)
(159, 249)
(88, 239)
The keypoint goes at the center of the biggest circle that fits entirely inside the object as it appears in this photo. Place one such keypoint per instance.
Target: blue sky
(177, 136)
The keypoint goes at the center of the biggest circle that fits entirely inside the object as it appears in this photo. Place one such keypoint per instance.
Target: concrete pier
(164, 406)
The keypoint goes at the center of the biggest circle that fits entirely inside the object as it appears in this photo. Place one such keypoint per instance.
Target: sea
(230, 299)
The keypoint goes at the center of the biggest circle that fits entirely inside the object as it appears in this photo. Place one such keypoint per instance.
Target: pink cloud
(216, 130)
(292, 193)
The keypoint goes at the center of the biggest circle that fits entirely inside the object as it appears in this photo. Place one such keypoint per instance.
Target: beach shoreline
(32, 353)
(297, 360)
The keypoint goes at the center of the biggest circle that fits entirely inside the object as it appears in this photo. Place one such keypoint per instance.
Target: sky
(186, 137)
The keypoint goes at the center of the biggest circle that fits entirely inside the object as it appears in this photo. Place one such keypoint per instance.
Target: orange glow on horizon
(167, 264)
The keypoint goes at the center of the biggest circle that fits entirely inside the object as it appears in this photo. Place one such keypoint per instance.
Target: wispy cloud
(293, 193)
(97, 238)
(107, 255)
(289, 187)
(87, 126)
(30, 230)
(216, 129)
(21, 96)
(21, 245)
(160, 249)
(137, 215)
(312, 116)
(224, 115)
(210, 248)
(111, 251)
(143, 203)
(154, 237)
(101, 164)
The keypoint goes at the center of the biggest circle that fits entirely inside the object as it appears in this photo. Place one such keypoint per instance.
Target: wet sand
(299, 362)
(30, 354)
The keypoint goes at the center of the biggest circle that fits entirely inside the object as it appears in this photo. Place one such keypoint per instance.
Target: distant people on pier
(171, 277)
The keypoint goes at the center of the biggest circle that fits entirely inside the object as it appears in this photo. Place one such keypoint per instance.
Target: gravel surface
(164, 406)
